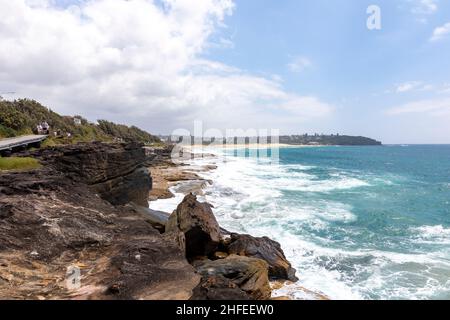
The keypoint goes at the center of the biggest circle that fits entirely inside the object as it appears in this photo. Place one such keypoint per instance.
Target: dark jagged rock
(218, 288)
(49, 222)
(158, 156)
(249, 274)
(199, 226)
(265, 249)
(133, 187)
(115, 171)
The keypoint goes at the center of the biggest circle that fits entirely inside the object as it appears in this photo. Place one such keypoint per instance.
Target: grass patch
(49, 142)
(14, 163)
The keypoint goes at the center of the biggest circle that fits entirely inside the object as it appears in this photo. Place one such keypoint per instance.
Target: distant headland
(329, 140)
(292, 140)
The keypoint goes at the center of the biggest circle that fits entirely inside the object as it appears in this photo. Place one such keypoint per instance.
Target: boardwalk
(18, 142)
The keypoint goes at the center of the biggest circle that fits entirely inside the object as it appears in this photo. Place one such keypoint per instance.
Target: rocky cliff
(117, 172)
(85, 211)
(52, 219)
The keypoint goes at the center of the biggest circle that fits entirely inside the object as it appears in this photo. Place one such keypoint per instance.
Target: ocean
(356, 222)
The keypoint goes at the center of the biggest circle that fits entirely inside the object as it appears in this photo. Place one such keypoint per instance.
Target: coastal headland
(85, 209)
(75, 221)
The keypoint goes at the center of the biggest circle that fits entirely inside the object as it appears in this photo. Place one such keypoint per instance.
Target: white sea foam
(248, 197)
(167, 205)
(326, 186)
(244, 173)
(431, 234)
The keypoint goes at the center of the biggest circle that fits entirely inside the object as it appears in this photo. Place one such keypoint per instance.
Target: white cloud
(424, 6)
(410, 86)
(432, 107)
(441, 32)
(137, 61)
(299, 63)
(407, 86)
(445, 88)
(421, 9)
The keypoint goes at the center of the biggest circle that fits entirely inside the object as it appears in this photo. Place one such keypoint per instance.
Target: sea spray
(353, 227)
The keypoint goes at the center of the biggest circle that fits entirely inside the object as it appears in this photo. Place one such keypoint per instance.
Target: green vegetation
(14, 163)
(328, 140)
(22, 117)
(126, 133)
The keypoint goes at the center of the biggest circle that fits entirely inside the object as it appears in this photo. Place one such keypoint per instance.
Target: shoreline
(281, 290)
(120, 248)
(196, 147)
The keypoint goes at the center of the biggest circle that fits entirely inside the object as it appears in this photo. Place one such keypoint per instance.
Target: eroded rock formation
(231, 265)
(199, 226)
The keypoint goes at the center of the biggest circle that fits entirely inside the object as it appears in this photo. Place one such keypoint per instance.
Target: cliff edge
(79, 228)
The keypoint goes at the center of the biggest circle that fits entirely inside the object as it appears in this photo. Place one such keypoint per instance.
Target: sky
(299, 66)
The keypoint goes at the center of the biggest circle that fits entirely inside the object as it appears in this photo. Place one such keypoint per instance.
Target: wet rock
(249, 274)
(265, 249)
(199, 226)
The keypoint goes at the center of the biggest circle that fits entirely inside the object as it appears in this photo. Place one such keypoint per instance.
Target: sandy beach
(198, 147)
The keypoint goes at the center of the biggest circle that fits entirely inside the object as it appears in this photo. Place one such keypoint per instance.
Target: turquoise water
(405, 188)
(356, 222)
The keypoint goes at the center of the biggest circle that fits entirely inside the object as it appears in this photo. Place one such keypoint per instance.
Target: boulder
(248, 274)
(265, 249)
(218, 288)
(199, 226)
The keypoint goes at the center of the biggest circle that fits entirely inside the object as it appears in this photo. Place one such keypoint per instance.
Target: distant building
(77, 121)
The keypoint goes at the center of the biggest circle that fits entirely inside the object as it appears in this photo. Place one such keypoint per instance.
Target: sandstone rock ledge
(87, 208)
(59, 217)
